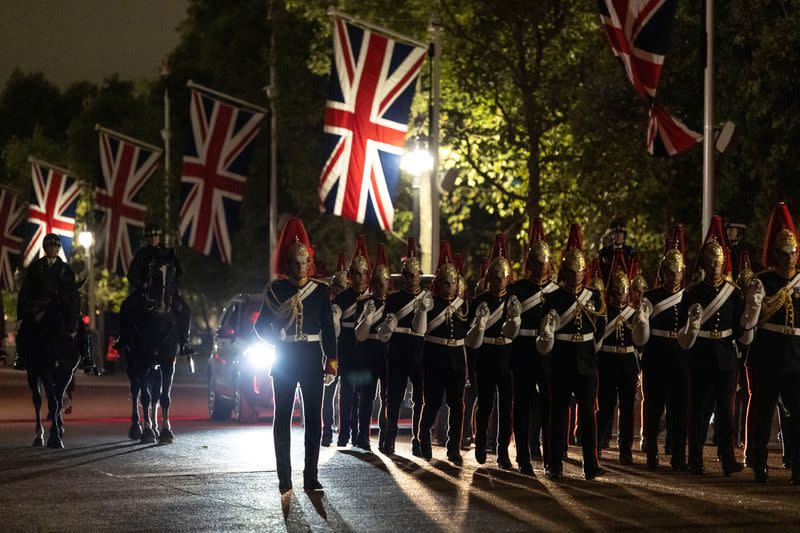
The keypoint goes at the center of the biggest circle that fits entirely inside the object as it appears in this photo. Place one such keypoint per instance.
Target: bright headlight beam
(260, 355)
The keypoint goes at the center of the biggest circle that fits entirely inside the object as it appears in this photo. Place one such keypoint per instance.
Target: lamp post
(86, 239)
(419, 162)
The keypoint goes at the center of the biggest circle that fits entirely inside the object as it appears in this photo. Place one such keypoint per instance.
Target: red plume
(633, 271)
(445, 254)
(778, 220)
(485, 266)
(537, 231)
(499, 247)
(381, 257)
(458, 261)
(575, 239)
(617, 263)
(293, 231)
(716, 232)
(411, 247)
(361, 250)
(341, 263)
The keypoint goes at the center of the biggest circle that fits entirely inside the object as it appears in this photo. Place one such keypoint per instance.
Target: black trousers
(299, 363)
(709, 384)
(619, 377)
(443, 373)
(531, 412)
(665, 384)
(493, 377)
(565, 381)
(403, 364)
(765, 386)
(374, 359)
(348, 400)
(327, 409)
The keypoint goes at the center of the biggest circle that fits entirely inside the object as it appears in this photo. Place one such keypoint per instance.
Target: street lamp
(417, 162)
(86, 239)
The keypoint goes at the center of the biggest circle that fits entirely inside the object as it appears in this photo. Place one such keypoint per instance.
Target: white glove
(328, 379)
(365, 321)
(426, 302)
(513, 307)
(482, 315)
(590, 306)
(754, 296)
(369, 309)
(337, 319)
(547, 332)
(387, 327)
(475, 334)
(641, 329)
(688, 334)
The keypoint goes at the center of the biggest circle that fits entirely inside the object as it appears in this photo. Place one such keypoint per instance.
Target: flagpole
(333, 12)
(708, 121)
(436, 31)
(272, 93)
(166, 135)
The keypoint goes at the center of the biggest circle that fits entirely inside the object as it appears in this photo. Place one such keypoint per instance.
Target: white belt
(664, 333)
(348, 324)
(444, 342)
(776, 328)
(407, 331)
(314, 337)
(373, 336)
(499, 341)
(618, 349)
(528, 332)
(574, 337)
(715, 335)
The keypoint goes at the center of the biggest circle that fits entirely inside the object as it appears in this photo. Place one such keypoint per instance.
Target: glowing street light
(86, 239)
(417, 162)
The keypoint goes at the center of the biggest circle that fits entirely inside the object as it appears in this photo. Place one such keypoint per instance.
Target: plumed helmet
(499, 267)
(293, 243)
(412, 263)
(572, 257)
(780, 235)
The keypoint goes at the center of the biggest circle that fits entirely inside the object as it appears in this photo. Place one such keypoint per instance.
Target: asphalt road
(221, 476)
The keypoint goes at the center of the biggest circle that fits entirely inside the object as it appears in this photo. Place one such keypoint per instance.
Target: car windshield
(248, 316)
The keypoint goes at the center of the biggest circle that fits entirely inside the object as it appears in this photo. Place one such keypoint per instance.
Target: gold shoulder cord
(296, 316)
(591, 315)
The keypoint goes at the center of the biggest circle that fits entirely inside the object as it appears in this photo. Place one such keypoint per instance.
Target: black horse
(150, 323)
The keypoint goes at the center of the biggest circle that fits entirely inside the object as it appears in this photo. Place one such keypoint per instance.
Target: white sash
(441, 317)
(377, 315)
(718, 301)
(536, 299)
(794, 282)
(625, 314)
(406, 309)
(495, 316)
(584, 297)
(666, 303)
(350, 311)
(301, 295)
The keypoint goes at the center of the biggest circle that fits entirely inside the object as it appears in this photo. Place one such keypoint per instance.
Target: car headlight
(260, 355)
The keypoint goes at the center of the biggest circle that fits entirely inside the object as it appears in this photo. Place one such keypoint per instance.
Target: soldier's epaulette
(320, 281)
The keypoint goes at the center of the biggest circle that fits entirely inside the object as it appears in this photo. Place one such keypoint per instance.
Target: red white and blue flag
(127, 164)
(11, 214)
(54, 200)
(372, 85)
(214, 171)
(638, 32)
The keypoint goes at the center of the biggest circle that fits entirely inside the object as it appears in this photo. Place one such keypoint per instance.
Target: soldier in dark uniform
(773, 365)
(665, 367)
(339, 283)
(344, 309)
(494, 324)
(372, 351)
(441, 319)
(48, 306)
(711, 316)
(296, 317)
(530, 369)
(404, 359)
(618, 234)
(574, 318)
(144, 266)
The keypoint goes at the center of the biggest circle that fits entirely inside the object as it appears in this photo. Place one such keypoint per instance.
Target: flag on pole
(372, 84)
(214, 171)
(11, 214)
(127, 164)
(54, 200)
(638, 32)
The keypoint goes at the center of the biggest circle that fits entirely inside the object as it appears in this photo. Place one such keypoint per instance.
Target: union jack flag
(369, 101)
(638, 32)
(54, 200)
(11, 214)
(213, 174)
(127, 165)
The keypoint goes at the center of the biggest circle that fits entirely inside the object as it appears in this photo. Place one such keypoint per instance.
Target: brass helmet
(781, 235)
(381, 272)
(673, 258)
(746, 274)
(458, 261)
(596, 276)
(293, 243)
(360, 260)
(339, 278)
(499, 267)
(538, 249)
(412, 263)
(619, 281)
(638, 283)
(445, 269)
(572, 257)
(714, 253)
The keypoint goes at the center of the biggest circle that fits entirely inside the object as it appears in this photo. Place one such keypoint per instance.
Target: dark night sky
(73, 40)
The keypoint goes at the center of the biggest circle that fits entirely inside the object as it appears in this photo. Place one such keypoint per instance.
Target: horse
(152, 319)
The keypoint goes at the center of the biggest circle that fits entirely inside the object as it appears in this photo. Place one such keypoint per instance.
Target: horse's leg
(53, 409)
(62, 379)
(148, 435)
(167, 373)
(33, 383)
(154, 382)
(135, 432)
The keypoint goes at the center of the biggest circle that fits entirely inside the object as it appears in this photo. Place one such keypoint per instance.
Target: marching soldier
(344, 309)
(773, 366)
(441, 319)
(372, 351)
(404, 359)
(712, 316)
(339, 282)
(574, 317)
(531, 370)
(494, 325)
(296, 317)
(665, 367)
